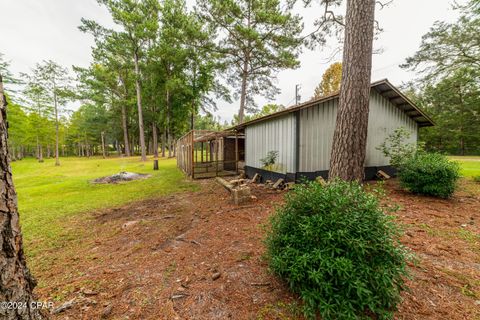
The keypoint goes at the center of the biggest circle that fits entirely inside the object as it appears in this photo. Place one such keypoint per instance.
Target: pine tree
(259, 38)
(54, 80)
(16, 282)
(139, 20)
(449, 46)
(350, 136)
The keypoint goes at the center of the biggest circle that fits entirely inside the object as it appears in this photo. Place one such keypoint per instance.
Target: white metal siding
(277, 134)
(317, 125)
(384, 117)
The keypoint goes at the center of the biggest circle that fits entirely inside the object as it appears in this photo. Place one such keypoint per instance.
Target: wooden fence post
(216, 156)
(236, 151)
(193, 144)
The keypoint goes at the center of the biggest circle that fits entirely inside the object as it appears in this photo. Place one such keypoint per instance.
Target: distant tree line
(153, 77)
(159, 72)
(448, 87)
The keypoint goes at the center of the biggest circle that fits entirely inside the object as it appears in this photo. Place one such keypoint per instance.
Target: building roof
(383, 87)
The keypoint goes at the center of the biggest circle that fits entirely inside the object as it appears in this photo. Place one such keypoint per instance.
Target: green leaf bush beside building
(337, 247)
(430, 174)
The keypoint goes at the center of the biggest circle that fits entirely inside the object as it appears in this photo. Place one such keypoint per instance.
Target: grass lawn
(48, 196)
(470, 165)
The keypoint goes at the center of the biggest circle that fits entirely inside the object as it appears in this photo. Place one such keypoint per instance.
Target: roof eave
(428, 123)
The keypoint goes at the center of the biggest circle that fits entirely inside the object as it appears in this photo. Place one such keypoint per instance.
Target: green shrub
(476, 179)
(336, 247)
(430, 174)
(270, 162)
(270, 159)
(397, 148)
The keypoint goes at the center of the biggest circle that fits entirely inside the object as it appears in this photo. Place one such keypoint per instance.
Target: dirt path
(155, 259)
(197, 256)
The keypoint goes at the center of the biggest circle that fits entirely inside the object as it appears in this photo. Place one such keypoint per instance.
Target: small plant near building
(270, 159)
(430, 174)
(270, 162)
(337, 247)
(397, 148)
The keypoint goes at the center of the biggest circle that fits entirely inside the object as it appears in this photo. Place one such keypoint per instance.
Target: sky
(36, 30)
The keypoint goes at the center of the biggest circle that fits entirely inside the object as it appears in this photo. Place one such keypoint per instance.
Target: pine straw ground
(197, 256)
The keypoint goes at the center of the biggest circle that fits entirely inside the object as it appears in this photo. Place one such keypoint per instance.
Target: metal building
(302, 135)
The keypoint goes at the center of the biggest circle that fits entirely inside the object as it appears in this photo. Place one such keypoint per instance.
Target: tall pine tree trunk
(245, 67)
(40, 153)
(164, 141)
(462, 146)
(132, 144)
(194, 110)
(55, 101)
(243, 97)
(169, 144)
(139, 106)
(350, 137)
(37, 152)
(155, 140)
(16, 282)
(87, 151)
(168, 124)
(174, 146)
(124, 120)
(125, 131)
(192, 119)
(149, 145)
(103, 144)
(117, 146)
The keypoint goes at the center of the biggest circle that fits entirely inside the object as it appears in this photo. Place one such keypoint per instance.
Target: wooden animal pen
(207, 154)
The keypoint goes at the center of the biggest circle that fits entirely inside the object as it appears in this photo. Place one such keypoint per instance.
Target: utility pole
(297, 94)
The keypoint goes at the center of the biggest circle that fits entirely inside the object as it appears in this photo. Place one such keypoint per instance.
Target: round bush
(429, 174)
(337, 249)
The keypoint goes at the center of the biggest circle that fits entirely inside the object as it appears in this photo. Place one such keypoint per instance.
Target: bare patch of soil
(197, 256)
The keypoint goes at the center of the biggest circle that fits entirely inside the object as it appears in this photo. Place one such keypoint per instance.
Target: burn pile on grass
(121, 177)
